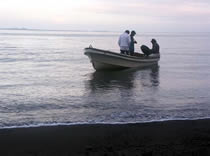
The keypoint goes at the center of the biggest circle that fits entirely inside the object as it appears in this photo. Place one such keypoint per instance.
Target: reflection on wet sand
(123, 79)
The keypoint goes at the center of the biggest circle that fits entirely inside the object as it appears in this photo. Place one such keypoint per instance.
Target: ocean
(45, 79)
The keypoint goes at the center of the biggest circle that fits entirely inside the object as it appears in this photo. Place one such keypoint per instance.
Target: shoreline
(99, 123)
(175, 137)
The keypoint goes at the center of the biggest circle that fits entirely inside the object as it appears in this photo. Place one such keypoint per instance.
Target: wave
(99, 123)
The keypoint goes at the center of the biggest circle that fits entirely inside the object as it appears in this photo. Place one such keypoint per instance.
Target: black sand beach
(169, 138)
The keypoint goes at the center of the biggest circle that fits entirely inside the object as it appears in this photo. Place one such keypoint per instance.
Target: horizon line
(40, 29)
(80, 30)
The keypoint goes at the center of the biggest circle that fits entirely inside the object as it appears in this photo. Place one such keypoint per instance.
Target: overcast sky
(116, 15)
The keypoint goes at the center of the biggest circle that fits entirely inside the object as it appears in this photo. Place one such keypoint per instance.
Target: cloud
(106, 14)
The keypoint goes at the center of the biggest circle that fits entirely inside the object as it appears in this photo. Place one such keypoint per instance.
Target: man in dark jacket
(132, 42)
(155, 48)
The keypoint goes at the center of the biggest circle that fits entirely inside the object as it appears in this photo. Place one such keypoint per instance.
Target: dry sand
(168, 138)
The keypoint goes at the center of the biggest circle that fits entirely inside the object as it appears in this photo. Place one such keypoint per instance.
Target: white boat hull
(105, 60)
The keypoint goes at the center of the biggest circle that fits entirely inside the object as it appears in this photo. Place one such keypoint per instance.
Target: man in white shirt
(124, 42)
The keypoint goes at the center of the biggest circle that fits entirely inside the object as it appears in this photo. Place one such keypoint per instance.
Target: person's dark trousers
(124, 52)
(131, 53)
(146, 50)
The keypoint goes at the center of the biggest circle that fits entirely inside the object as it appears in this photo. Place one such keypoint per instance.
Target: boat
(109, 60)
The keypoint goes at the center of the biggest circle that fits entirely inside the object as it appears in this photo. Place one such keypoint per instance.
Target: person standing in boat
(132, 43)
(155, 48)
(124, 42)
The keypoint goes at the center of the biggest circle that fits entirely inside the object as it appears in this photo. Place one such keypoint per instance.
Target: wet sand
(168, 138)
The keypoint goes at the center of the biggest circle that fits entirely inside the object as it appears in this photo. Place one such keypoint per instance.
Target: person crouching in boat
(155, 48)
(124, 42)
(132, 42)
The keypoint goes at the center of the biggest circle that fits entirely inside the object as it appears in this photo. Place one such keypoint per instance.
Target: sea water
(45, 79)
